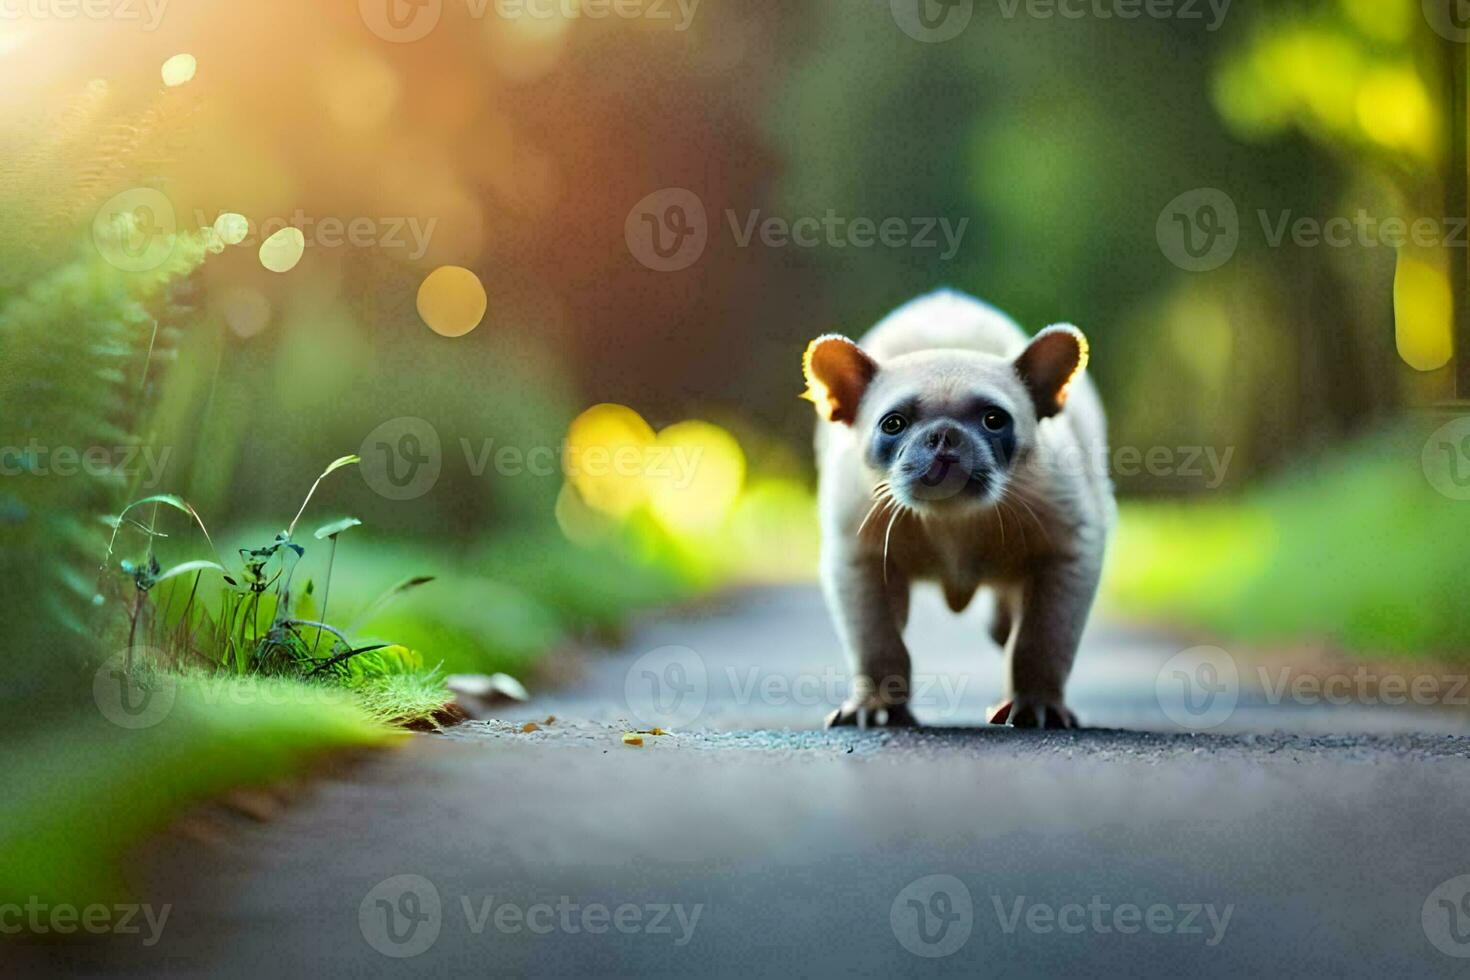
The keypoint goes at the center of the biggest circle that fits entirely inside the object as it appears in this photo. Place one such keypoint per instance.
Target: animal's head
(944, 428)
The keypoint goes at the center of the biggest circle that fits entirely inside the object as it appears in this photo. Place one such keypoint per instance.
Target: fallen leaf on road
(529, 727)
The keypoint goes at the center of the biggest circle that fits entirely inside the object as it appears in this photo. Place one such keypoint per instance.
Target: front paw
(1024, 712)
(871, 714)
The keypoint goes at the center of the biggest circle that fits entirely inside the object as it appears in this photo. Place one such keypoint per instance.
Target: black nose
(943, 439)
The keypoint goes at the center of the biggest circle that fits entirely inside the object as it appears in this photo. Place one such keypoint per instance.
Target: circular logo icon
(1446, 459)
(1450, 19)
(1446, 917)
(667, 230)
(134, 230)
(1199, 230)
(932, 21)
(129, 693)
(401, 458)
(401, 917)
(400, 21)
(1198, 688)
(933, 916)
(667, 687)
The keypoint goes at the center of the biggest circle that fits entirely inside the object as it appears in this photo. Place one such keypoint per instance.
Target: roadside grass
(1357, 551)
(78, 798)
(80, 795)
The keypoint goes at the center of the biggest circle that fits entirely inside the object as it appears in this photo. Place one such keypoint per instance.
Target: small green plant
(259, 625)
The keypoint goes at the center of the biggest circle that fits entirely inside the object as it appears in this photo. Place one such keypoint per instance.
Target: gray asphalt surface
(1297, 836)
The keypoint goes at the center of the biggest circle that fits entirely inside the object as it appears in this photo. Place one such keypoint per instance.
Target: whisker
(881, 502)
(1001, 516)
(1020, 500)
(887, 536)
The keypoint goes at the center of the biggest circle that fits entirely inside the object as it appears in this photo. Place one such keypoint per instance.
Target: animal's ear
(837, 373)
(1049, 365)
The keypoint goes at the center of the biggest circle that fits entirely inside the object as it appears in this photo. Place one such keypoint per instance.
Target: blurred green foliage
(1355, 552)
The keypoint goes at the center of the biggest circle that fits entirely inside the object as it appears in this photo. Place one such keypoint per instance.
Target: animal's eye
(893, 424)
(995, 420)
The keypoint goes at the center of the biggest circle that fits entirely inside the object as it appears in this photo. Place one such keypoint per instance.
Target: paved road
(1289, 839)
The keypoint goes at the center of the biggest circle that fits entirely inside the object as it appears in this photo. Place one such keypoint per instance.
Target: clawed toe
(1033, 714)
(878, 716)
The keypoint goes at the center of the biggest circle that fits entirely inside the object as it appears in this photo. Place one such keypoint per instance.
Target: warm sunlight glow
(358, 89)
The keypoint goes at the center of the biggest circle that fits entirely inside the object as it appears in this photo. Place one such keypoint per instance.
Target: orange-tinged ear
(837, 373)
(1049, 365)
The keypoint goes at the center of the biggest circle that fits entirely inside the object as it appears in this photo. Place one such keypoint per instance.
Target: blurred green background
(1070, 153)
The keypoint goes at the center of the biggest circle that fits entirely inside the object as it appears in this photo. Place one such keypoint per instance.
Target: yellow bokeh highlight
(452, 301)
(1394, 111)
(688, 477)
(604, 458)
(1383, 20)
(1423, 314)
(179, 69)
(231, 228)
(281, 251)
(700, 469)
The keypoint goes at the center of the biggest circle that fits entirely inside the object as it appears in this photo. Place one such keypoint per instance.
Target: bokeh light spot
(452, 301)
(281, 251)
(605, 458)
(1422, 304)
(179, 69)
(231, 228)
(694, 476)
(246, 311)
(1394, 110)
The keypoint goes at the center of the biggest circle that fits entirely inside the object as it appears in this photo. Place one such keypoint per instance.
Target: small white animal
(952, 448)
